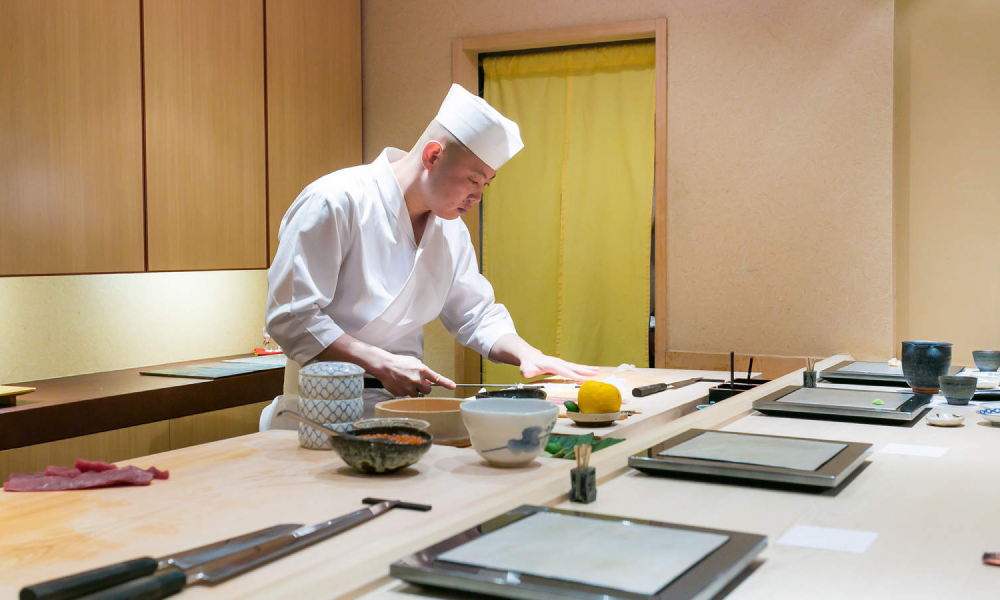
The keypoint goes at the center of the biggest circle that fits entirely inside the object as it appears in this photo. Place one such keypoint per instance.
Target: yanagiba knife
(656, 388)
(172, 581)
(88, 582)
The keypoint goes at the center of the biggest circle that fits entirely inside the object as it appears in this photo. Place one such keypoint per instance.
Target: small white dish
(990, 414)
(594, 419)
(983, 383)
(945, 419)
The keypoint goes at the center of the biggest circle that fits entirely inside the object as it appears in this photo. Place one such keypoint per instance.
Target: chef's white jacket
(347, 262)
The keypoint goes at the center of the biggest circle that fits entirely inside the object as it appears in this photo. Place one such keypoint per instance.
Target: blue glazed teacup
(923, 363)
(958, 389)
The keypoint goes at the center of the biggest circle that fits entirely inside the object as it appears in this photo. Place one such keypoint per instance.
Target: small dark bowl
(987, 360)
(514, 393)
(376, 456)
(957, 389)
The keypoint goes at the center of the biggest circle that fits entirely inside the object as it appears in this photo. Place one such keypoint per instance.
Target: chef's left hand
(542, 364)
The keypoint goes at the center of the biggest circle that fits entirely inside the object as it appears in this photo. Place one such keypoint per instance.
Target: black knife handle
(647, 390)
(74, 586)
(165, 583)
(406, 505)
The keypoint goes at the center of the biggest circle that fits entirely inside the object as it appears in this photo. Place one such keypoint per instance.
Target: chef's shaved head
(452, 149)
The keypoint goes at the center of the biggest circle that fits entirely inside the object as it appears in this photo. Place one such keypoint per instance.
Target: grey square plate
(897, 407)
(702, 561)
(683, 454)
(853, 371)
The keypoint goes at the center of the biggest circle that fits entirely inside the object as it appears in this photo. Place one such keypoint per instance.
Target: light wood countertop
(929, 544)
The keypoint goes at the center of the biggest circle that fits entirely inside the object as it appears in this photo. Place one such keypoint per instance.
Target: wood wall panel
(313, 96)
(204, 76)
(70, 137)
(216, 425)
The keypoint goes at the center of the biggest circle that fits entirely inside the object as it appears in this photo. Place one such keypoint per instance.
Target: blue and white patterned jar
(329, 393)
(331, 381)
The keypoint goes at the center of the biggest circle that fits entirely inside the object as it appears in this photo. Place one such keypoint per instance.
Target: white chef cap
(491, 136)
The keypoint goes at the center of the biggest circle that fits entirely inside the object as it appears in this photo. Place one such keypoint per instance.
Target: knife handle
(78, 584)
(647, 390)
(406, 505)
(165, 583)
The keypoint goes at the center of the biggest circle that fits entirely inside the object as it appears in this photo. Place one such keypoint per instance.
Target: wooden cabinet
(205, 189)
(313, 96)
(70, 137)
(232, 133)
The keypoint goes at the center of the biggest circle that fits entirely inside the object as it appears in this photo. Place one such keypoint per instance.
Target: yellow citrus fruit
(596, 397)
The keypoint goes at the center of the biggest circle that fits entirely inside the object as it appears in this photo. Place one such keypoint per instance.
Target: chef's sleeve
(471, 313)
(302, 279)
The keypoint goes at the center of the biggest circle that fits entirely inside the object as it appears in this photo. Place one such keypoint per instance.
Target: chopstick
(749, 369)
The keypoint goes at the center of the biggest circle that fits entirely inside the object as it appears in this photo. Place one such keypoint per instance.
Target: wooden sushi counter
(928, 545)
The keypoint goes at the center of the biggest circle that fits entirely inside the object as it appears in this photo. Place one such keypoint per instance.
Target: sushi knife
(88, 582)
(172, 581)
(656, 388)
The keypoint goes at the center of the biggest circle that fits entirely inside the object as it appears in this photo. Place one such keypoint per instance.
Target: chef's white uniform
(348, 262)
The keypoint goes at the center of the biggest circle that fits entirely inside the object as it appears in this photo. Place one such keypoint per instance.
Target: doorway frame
(465, 53)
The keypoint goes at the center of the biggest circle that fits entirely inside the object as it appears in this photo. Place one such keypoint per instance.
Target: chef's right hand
(407, 376)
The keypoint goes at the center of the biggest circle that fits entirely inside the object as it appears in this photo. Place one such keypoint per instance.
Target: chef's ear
(432, 154)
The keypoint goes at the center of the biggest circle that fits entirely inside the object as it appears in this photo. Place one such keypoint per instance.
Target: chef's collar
(391, 193)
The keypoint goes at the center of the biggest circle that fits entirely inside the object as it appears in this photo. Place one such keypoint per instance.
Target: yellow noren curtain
(566, 223)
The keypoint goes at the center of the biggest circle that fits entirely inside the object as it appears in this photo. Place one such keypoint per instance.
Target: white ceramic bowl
(509, 432)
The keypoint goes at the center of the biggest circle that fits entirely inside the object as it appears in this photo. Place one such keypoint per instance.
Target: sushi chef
(368, 255)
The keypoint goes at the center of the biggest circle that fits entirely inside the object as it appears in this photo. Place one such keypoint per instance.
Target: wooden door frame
(465, 53)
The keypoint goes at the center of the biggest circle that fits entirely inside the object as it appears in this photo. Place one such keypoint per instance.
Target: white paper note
(915, 450)
(828, 538)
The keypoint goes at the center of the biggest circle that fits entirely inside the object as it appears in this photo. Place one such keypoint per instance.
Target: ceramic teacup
(957, 389)
(987, 360)
(923, 363)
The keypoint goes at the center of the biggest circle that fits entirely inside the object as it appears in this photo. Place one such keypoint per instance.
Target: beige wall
(59, 326)
(947, 173)
(779, 163)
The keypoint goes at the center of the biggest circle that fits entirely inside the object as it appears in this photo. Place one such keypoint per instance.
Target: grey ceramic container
(957, 389)
(987, 360)
(923, 363)
(378, 457)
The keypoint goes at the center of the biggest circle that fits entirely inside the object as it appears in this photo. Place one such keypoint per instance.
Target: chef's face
(456, 179)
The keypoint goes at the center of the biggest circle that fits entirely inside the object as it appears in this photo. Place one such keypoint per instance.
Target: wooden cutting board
(9, 394)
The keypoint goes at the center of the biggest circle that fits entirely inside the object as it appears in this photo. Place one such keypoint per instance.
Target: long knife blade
(210, 552)
(103, 578)
(253, 557)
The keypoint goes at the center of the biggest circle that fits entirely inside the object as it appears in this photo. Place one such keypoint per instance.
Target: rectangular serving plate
(854, 371)
(701, 582)
(907, 408)
(829, 475)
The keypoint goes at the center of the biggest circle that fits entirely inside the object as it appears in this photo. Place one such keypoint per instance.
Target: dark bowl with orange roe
(379, 450)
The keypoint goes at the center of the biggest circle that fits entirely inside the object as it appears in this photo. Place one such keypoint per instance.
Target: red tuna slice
(158, 474)
(86, 480)
(14, 476)
(86, 465)
(62, 471)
